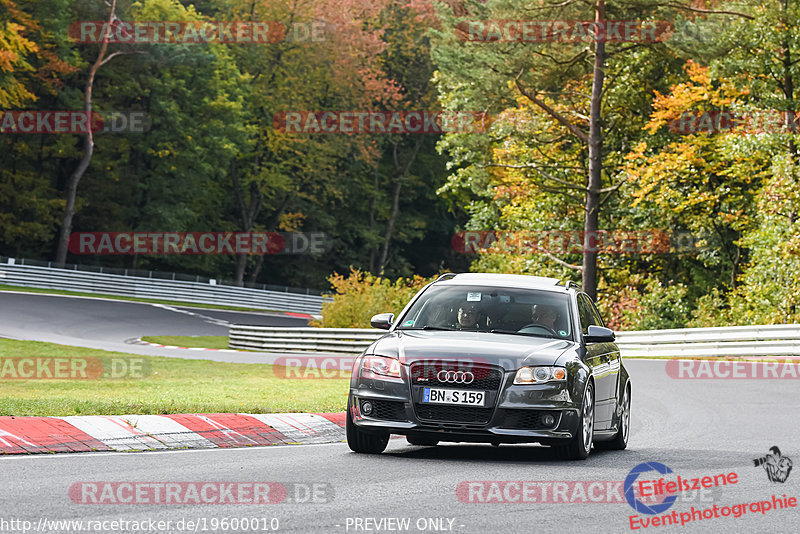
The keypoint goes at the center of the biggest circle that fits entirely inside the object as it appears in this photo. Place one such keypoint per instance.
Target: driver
(544, 315)
(468, 316)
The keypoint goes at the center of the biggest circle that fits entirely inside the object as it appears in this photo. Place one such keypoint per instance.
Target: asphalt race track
(697, 428)
(109, 324)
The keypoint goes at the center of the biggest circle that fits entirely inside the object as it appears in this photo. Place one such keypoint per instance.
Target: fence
(770, 340)
(272, 339)
(14, 274)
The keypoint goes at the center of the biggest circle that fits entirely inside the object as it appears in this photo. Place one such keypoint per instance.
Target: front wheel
(364, 442)
(580, 445)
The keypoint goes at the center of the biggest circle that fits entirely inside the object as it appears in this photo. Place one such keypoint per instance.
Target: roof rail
(569, 284)
(446, 276)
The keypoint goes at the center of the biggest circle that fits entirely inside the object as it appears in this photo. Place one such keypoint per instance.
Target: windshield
(490, 309)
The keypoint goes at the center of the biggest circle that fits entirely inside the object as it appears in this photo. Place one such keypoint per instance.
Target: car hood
(508, 351)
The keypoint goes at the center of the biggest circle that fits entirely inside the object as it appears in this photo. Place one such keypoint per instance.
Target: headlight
(538, 375)
(380, 367)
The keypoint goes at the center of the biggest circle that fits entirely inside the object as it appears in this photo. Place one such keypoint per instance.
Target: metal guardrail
(761, 340)
(769, 340)
(274, 339)
(154, 288)
(160, 275)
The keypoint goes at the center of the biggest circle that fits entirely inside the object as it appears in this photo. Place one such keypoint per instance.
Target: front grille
(391, 410)
(453, 414)
(485, 378)
(526, 419)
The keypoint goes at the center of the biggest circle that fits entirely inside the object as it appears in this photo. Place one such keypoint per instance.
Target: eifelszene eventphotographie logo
(777, 466)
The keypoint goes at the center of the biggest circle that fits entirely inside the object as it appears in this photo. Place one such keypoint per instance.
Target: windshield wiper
(516, 333)
(427, 327)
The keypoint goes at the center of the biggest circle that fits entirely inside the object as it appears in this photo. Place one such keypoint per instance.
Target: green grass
(171, 385)
(4, 287)
(206, 342)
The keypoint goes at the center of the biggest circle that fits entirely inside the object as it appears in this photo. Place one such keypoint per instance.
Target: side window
(585, 312)
(598, 319)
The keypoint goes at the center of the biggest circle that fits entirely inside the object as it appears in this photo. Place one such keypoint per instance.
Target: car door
(599, 360)
(612, 357)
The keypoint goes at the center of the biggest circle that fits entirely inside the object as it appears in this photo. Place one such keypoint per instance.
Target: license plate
(453, 396)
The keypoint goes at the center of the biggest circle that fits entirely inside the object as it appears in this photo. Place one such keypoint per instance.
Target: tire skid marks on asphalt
(206, 318)
(302, 427)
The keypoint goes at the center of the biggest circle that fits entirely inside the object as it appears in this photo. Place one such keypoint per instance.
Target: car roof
(504, 280)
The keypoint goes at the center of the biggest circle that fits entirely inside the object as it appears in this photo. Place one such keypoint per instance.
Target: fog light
(366, 408)
(548, 420)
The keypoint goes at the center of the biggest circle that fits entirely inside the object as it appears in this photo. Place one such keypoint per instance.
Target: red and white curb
(85, 433)
(139, 341)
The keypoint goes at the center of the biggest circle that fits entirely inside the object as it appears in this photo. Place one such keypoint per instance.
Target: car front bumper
(514, 414)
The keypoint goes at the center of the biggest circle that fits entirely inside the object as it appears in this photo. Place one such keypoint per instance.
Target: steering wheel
(540, 326)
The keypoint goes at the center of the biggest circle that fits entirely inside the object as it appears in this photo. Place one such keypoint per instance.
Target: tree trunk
(788, 86)
(592, 206)
(241, 263)
(373, 251)
(253, 276)
(88, 150)
(390, 225)
(248, 210)
(402, 174)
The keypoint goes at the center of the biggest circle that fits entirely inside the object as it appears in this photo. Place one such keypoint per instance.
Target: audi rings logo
(455, 377)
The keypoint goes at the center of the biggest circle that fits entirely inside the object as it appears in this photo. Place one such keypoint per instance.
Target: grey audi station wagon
(492, 358)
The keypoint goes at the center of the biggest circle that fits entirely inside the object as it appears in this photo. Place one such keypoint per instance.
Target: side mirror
(599, 334)
(382, 320)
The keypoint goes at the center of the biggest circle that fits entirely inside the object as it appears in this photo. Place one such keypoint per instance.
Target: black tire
(421, 441)
(580, 445)
(620, 439)
(364, 442)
